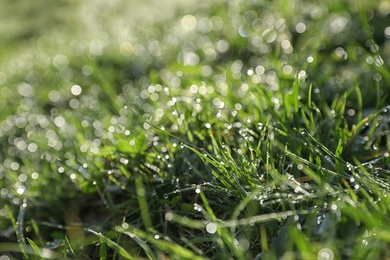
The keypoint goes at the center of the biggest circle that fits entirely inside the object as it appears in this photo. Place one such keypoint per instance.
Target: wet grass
(231, 130)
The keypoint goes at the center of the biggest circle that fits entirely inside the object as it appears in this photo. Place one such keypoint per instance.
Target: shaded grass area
(233, 130)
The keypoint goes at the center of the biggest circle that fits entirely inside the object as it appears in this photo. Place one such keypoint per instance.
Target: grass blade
(35, 248)
(112, 244)
(19, 232)
(143, 204)
(172, 248)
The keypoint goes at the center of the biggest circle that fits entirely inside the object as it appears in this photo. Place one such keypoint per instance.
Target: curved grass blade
(170, 247)
(35, 248)
(44, 253)
(112, 244)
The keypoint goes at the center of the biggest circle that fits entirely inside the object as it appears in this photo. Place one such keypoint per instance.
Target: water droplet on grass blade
(211, 228)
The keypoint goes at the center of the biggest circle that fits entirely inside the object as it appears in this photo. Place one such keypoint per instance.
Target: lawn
(247, 129)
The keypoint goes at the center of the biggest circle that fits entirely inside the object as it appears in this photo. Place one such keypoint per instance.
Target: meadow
(245, 129)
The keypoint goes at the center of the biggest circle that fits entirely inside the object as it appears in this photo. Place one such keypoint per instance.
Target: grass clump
(233, 130)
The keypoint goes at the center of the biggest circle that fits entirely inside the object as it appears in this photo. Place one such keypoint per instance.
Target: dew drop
(34, 175)
(20, 190)
(211, 228)
(168, 216)
(76, 90)
(325, 254)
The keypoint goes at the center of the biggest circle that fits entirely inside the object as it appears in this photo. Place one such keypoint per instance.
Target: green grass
(222, 129)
